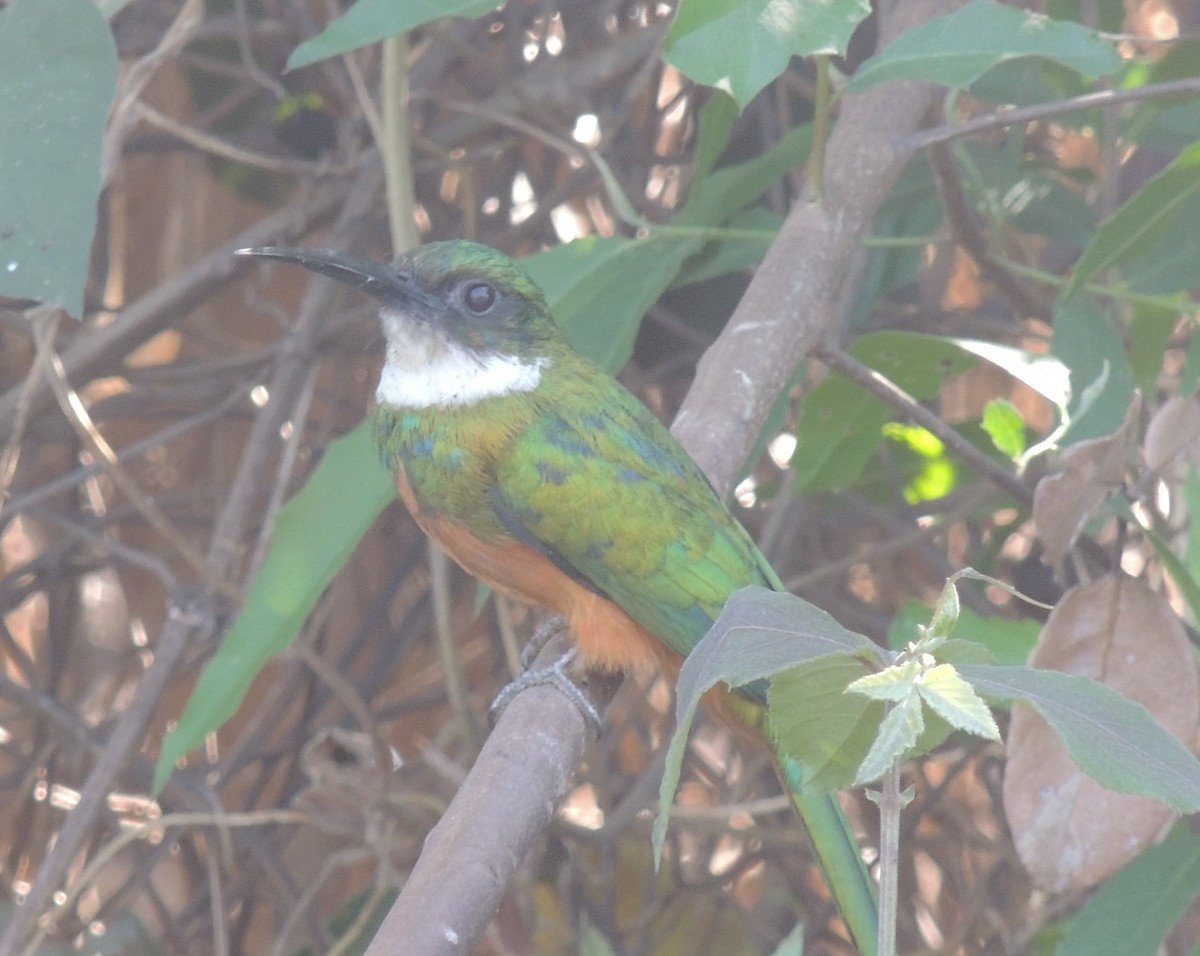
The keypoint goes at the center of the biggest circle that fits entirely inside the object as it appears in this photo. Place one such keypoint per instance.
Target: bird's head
(457, 315)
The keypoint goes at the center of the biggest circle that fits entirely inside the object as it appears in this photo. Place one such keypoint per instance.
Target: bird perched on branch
(545, 478)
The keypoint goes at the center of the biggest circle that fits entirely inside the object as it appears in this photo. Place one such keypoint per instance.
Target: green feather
(628, 508)
(575, 467)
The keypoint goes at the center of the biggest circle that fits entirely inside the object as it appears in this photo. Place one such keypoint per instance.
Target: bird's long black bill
(376, 278)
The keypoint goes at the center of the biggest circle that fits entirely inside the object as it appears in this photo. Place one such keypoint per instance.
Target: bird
(546, 479)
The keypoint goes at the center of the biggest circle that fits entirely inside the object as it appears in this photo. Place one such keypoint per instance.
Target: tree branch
(468, 857)
(792, 301)
(525, 769)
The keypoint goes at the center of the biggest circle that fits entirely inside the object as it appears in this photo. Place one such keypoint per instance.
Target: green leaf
(598, 288)
(1003, 181)
(957, 650)
(716, 121)
(740, 46)
(1107, 15)
(1190, 494)
(316, 532)
(946, 611)
(956, 50)
(1010, 641)
(1168, 266)
(1169, 125)
(792, 944)
(999, 639)
(1131, 913)
(898, 734)
(1005, 427)
(825, 731)
(58, 77)
(1028, 80)
(1150, 329)
(717, 197)
(759, 633)
(893, 683)
(912, 210)
(955, 701)
(370, 21)
(921, 461)
(841, 423)
(1110, 737)
(725, 254)
(1142, 219)
(1088, 344)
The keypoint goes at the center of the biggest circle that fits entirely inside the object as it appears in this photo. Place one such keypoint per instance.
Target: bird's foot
(556, 675)
(541, 637)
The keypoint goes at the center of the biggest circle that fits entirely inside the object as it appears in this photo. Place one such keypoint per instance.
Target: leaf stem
(821, 109)
(396, 145)
(890, 804)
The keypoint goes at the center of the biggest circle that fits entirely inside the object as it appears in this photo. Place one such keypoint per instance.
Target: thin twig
(453, 675)
(965, 228)
(887, 390)
(104, 348)
(1004, 118)
(189, 623)
(45, 325)
(397, 145)
(77, 414)
(215, 146)
(49, 489)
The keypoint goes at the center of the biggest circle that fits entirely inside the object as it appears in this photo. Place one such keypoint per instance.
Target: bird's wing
(610, 496)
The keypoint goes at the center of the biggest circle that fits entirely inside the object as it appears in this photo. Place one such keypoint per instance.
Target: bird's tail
(830, 835)
(838, 855)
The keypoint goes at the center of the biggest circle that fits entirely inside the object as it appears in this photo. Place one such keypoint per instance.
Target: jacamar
(545, 478)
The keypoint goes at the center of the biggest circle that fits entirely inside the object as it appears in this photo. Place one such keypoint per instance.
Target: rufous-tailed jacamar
(545, 478)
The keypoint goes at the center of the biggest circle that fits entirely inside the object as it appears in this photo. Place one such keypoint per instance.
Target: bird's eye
(479, 297)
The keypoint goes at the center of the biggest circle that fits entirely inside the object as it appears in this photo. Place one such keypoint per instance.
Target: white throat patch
(423, 370)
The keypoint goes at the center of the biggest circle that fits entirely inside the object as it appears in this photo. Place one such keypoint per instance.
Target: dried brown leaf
(1070, 831)
(1064, 502)
(1173, 432)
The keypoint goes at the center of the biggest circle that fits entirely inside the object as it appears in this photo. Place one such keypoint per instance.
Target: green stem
(397, 145)
(822, 104)
(890, 803)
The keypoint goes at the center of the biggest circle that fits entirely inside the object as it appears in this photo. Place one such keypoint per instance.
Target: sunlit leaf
(739, 46)
(953, 699)
(1005, 427)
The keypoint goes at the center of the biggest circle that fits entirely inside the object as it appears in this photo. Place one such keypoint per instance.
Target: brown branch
(791, 304)
(521, 775)
(1027, 114)
(965, 227)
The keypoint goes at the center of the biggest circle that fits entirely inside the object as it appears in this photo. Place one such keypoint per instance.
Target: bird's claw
(541, 637)
(556, 675)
